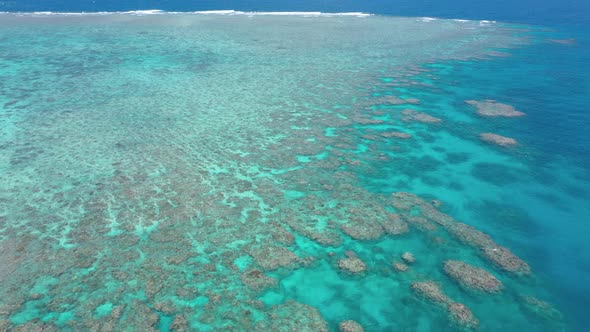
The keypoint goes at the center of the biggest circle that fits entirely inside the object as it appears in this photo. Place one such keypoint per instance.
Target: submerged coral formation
(492, 108)
(352, 264)
(540, 308)
(458, 313)
(430, 291)
(472, 277)
(256, 279)
(235, 173)
(293, 316)
(393, 100)
(505, 259)
(408, 257)
(400, 267)
(462, 316)
(369, 229)
(274, 257)
(350, 326)
(495, 253)
(396, 134)
(498, 139)
(412, 115)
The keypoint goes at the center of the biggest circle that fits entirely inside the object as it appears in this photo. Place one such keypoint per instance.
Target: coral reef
(35, 326)
(180, 324)
(396, 134)
(506, 260)
(420, 223)
(350, 326)
(462, 316)
(540, 308)
(172, 174)
(500, 256)
(404, 201)
(458, 313)
(400, 267)
(472, 277)
(568, 41)
(363, 230)
(306, 225)
(293, 316)
(257, 280)
(470, 235)
(430, 291)
(371, 229)
(274, 257)
(408, 257)
(412, 115)
(394, 225)
(498, 139)
(282, 235)
(393, 100)
(492, 108)
(352, 264)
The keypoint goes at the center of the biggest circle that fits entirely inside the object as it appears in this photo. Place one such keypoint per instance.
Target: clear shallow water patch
(225, 171)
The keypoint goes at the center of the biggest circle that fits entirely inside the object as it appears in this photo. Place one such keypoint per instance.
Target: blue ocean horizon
(532, 197)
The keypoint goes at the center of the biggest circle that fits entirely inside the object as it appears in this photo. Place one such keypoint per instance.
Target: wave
(209, 12)
(229, 13)
(427, 19)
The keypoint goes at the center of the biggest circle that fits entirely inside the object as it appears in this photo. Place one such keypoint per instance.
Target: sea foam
(208, 12)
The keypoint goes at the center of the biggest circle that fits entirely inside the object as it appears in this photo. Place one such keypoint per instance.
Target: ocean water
(554, 12)
(235, 171)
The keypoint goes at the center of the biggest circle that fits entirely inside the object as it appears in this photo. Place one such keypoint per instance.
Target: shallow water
(203, 171)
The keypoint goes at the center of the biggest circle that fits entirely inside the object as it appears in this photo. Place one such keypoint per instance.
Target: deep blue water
(552, 82)
(549, 77)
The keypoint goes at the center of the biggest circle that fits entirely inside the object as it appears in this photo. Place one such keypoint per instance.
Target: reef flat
(182, 172)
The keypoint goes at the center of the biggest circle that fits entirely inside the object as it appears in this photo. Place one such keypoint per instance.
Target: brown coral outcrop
(408, 257)
(350, 326)
(352, 264)
(293, 316)
(458, 313)
(411, 115)
(257, 280)
(492, 108)
(462, 316)
(506, 260)
(498, 139)
(472, 277)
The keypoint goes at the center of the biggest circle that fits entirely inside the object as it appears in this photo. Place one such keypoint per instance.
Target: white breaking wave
(427, 19)
(485, 22)
(215, 12)
(236, 12)
(228, 12)
(209, 12)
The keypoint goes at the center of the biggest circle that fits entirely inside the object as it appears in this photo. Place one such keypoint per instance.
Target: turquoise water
(246, 172)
